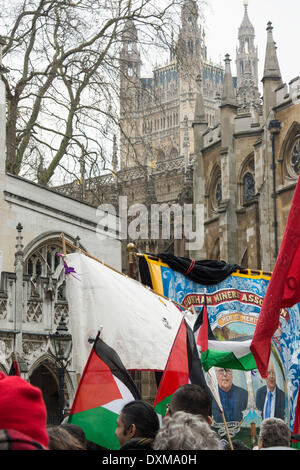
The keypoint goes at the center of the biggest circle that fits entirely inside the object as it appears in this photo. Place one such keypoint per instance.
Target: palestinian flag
(14, 368)
(183, 367)
(105, 387)
(233, 354)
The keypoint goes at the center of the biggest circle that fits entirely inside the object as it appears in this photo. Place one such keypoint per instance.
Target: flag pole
(63, 244)
(227, 430)
(130, 248)
(116, 271)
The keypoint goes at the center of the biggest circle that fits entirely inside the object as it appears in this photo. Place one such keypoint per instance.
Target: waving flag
(105, 387)
(283, 289)
(137, 323)
(183, 367)
(14, 368)
(234, 354)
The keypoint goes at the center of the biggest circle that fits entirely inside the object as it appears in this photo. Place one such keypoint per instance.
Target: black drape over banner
(206, 272)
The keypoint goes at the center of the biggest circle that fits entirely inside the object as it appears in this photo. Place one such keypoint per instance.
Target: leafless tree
(62, 84)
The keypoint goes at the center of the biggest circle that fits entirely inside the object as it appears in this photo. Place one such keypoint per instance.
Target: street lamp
(274, 128)
(62, 345)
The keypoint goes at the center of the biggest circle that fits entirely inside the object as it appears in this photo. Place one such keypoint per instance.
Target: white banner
(138, 324)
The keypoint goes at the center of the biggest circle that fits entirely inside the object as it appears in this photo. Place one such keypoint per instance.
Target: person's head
(186, 431)
(224, 377)
(22, 408)
(271, 377)
(137, 419)
(274, 432)
(61, 439)
(192, 399)
(76, 431)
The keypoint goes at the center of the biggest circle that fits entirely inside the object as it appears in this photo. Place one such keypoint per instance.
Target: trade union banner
(233, 307)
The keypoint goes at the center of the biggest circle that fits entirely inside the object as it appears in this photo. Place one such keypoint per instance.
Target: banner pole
(63, 244)
(130, 248)
(76, 248)
(227, 430)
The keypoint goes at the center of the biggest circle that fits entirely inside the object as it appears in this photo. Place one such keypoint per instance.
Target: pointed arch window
(249, 187)
(215, 190)
(247, 180)
(289, 155)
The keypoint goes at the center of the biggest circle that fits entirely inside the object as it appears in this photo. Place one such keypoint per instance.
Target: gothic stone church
(194, 133)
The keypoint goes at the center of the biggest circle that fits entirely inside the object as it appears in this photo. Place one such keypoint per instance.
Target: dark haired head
(237, 445)
(76, 431)
(143, 416)
(61, 439)
(192, 399)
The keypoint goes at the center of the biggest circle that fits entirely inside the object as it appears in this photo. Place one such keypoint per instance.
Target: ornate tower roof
(189, 13)
(246, 27)
(247, 64)
(228, 95)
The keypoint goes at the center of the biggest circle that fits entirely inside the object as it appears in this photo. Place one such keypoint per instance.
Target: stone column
(19, 301)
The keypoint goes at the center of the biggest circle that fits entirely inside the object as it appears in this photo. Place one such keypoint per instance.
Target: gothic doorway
(45, 379)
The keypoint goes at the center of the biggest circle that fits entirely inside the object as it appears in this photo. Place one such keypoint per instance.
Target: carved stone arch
(41, 261)
(246, 179)
(214, 190)
(173, 153)
(161, 156)
(47, 237)
(289, 155)
(44, 374)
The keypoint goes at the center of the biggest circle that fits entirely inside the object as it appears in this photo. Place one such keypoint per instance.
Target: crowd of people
(187, 424)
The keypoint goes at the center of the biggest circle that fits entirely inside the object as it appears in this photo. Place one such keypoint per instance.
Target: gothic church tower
(130, 74)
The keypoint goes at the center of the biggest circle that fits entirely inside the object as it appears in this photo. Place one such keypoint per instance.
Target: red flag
(283, 290)
(183, 367)
(14, 368)
(202, 340)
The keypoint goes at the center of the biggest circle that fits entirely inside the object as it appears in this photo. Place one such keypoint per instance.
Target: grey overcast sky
(223, 18)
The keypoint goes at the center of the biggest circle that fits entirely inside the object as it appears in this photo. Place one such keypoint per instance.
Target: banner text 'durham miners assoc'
(228, 295)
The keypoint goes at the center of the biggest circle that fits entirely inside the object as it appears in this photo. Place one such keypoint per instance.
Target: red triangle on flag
(176, 372)
(202, 339)
(97, 386)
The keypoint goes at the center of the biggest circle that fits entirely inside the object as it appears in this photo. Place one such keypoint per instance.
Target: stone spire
(228, 95)
(272, 76)
(271, 70)
(199, 116)
(246, 26)
(247, 64)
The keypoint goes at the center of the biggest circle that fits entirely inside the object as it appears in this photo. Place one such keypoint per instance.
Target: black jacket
(279, 402)
(138, 443)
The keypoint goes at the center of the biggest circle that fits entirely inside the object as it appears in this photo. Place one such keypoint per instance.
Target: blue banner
(233, 308)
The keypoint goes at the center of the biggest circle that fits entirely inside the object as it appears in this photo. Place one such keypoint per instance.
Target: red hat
(22, 408)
